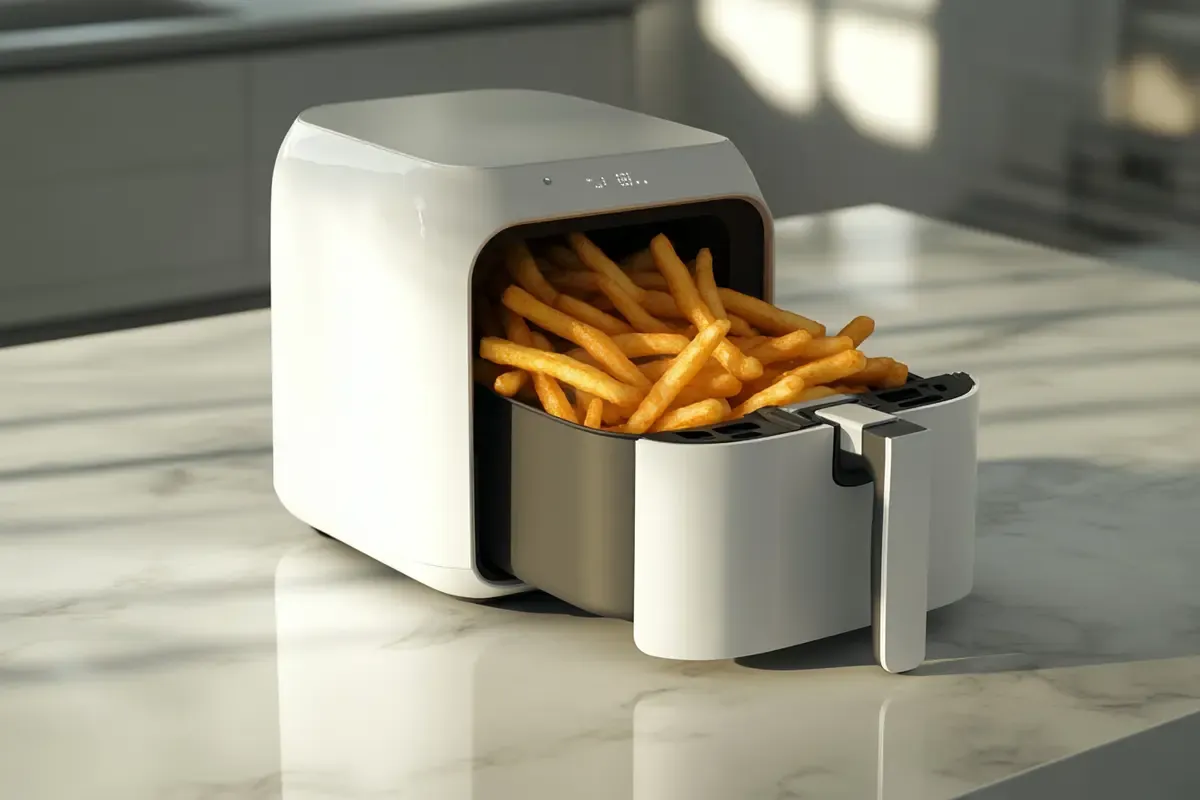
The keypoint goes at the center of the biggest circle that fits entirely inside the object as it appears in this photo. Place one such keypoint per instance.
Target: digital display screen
(616, 179)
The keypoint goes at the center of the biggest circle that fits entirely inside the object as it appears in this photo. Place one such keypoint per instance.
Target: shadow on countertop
(1076, 564)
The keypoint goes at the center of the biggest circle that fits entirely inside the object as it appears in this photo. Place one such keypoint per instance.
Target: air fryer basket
(554, 501)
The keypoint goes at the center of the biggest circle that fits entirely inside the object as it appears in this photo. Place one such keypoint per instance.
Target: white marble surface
(168, 633)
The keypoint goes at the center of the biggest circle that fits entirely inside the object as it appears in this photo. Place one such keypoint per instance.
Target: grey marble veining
(167, 632)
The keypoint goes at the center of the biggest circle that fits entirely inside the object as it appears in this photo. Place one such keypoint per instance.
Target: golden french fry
(817, 392)
(747, 343)
(766, 317)
(641, 261)
(596, 342)
(595, 413)
(841, 388)
(713, 380)
(782, 348)
(643, 345)
(649, 280)
(695, 415)
(683, 369)
(579, 282)
(740, 326)
(785, 390)
(524, 270)
(897, 377)
(554, 399)
(706, 284)
(875, 373)
(825, 346)
(509, 383)
(595, 260)
(641, 320)
(660, 304)
(687, 297)
(589, 314)
(512, 382)
(609, 414)
(485, 372)
(563, 368)
(858, 329)
(829, 370)
(564, 258)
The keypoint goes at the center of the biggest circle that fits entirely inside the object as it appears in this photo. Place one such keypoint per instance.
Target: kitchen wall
(1041, 118)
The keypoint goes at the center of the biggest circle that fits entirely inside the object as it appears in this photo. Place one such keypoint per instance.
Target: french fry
(649, 280)
(740, 326)
(712, 379)
(875, 373)
(524, 270)
(858, 329)
(785, 390)
(897, 377)
(747, 343)
(661, 304)
(641, 261)
(595, 413)
(841, 388)
(825, 346)
(597, 343)
(595, 260)
(683, 369)
(706, 284)
(782, 348)
(609, 414)
(510, 383)
(695, 415)
(643, 345)
(687, 298)
(829, 370)
(766, 317)
(817, 393)
(564, 258)
(579, 282)
(641, 320)
(562, 368)
(554, 399)
(587, 313)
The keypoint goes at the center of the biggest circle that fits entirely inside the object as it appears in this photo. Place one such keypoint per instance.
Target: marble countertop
(223, 25)
(168, 632)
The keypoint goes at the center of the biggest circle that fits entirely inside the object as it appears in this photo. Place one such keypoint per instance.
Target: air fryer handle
(895, 455)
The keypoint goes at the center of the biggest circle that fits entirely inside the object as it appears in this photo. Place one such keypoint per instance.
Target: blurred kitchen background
(137, 136)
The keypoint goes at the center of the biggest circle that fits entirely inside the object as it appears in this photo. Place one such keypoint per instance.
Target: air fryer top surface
(502, 128)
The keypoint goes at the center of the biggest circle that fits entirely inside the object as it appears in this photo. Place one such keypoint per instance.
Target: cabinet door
(121, 187)
(591, 59)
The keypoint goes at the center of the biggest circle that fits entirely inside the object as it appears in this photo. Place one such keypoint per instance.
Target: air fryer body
(379, 211)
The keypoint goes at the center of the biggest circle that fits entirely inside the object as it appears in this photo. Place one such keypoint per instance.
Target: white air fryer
(786, 526)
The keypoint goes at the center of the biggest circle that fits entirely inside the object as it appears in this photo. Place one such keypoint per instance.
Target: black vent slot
(700, 434)
(737, 427)
(899, 395)
(747, 435)
(917, 402)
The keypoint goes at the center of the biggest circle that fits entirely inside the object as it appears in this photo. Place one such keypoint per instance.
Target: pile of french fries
(653, 344)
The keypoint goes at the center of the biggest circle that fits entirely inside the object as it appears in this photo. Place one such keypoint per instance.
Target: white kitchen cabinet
(587, 58)
(149, 185)
(121, 187)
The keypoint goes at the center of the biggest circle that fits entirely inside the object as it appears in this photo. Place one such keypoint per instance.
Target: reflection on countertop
(60, 33)
(168, 631)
